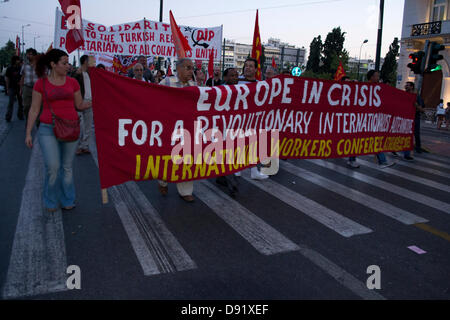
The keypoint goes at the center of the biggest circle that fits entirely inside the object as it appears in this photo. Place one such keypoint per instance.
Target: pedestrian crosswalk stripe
(434, 163)
(388, 187)
(432, 156)
(314, 210)
(156, 248)
(38, 260)
(423, 168)
(256, 231)
(407, 176)
(357, 196)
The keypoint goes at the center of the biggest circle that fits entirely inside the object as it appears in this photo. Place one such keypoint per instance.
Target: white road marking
(257, 232)
(329, 218)
(407, 176)
(357, 196)
(388, 187)
(38, 260)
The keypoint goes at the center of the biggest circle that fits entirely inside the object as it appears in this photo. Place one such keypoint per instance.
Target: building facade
(425, 20)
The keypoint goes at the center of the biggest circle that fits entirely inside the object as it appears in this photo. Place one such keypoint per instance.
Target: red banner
(191, 133)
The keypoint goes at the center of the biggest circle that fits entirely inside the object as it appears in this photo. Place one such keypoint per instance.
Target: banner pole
(104, 196)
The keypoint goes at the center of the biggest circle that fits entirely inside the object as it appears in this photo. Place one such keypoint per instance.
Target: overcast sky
(295, 22)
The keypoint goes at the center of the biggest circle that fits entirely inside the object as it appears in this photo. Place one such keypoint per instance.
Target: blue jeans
(381, 158)
(59, 188)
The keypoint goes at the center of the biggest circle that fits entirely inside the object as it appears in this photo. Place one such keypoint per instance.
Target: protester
(440, 113)
(147, 72)
(230, 77)
(199, 77)
(420, 107)
(62, 94)
(28, 80)
(270, 72)
(407, 154)
(374, 77)
(185, 70)
(138, 71)
(101, 66)
(351, 160)
(249, 72)
(160, 75)
(12, 79)
(215, 78)
(86, 115)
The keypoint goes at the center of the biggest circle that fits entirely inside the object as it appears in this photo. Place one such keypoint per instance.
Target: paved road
(310, 232)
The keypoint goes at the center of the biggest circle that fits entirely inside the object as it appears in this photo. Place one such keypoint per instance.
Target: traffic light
(416, 62)
(435, 56)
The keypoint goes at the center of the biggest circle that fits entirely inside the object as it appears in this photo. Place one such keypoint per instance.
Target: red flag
(211, 65)
(340, 72)
(169, 71)
(274, 65)
(72, 12)
(17, 46)
(181, 44)
(257, 48)
(152, 67)
(198, 64)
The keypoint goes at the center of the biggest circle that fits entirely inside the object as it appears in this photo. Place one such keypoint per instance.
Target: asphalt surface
(308, 234)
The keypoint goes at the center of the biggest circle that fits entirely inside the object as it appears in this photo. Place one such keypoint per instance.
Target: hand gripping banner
(149, 131)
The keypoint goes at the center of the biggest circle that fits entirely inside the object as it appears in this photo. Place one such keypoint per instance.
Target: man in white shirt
(83, 79)
(138, 71)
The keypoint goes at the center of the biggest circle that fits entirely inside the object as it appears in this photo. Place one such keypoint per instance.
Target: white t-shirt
(440, 109)
(87, 86)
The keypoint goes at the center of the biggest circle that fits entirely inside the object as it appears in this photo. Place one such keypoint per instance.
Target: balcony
(425, 29)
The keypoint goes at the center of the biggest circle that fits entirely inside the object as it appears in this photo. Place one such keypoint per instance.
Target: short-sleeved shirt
(29, 75)
(61, 98)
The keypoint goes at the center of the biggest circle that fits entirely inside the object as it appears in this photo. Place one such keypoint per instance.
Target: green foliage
(314, 75)
(389, 68)
(333, 50)
(6, 54)
(315, 54)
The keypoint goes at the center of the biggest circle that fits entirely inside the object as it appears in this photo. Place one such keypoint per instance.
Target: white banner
(144, 37)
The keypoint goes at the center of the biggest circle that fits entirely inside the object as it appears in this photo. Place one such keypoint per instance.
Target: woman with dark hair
(61, 96)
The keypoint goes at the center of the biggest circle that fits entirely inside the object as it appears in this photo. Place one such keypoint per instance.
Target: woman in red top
(63, 94)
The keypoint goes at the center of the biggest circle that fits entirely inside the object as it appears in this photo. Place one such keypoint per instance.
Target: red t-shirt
(61, 99)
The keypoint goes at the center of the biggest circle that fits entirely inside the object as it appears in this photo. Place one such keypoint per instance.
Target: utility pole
(380, 32)
(160, 20)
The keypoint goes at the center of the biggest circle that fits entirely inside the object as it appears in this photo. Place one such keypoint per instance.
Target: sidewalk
(434, 140)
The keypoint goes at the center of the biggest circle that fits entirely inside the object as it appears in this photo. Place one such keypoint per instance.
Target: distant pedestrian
(270, 72)
(447, 116)
(60, 95)
(28, 80)
(101, 66)
(160, 75)
(12, 79)
(440, 114)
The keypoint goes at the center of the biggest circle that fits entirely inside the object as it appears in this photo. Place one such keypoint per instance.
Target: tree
(389, 69)
(315, 49)
(333, 49)
(6, 54)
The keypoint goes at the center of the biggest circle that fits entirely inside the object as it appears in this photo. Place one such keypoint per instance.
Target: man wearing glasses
(185, 70)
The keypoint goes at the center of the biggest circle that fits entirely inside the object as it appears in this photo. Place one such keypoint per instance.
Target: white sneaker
(385, 165)
(256, 175)
(352, 164)
(237, 174)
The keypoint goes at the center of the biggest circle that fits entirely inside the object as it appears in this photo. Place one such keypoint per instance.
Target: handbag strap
(48, 101)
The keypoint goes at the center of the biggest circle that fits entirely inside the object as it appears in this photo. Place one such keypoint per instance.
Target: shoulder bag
(65, 130)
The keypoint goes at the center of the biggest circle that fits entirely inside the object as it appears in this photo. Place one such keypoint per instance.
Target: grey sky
(295, 22)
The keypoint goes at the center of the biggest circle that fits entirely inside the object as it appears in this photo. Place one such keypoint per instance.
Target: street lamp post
(23, 39)
(359, 60)
(34, 41)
